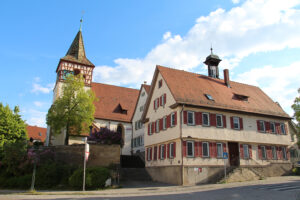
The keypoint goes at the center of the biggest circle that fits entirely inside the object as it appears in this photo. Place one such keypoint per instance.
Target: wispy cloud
(36, 117)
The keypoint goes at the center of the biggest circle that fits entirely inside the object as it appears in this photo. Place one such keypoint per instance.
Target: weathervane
(81, 21)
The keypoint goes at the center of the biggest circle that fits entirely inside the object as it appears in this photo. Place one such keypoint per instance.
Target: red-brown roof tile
(147, 88)
(110, 97)
(36, 133)
(190, 88)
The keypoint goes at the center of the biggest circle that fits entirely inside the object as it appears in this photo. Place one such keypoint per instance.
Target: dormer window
(209, 97)
(240, 97)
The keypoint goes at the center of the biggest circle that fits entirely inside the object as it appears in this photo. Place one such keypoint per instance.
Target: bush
(296, 170)
(22, 182)
(95, 178)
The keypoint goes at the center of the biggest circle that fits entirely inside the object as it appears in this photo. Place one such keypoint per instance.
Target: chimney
(226, 77)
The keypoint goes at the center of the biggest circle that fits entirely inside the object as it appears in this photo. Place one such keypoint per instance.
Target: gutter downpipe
(182, 169)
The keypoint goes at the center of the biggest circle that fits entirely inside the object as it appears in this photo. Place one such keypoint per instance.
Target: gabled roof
(190, 89)
(76, 52)
(111, 97)
(147, 89)
(36, 133)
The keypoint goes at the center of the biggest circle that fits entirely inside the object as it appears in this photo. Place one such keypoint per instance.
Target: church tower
(212, 61)
(74, 62)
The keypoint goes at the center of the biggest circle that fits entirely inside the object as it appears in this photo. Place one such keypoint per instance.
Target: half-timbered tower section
(192, 119)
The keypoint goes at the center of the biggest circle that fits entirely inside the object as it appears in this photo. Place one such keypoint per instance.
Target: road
(284, 190)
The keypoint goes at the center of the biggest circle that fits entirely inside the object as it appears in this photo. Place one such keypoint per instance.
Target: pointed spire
(80, 24)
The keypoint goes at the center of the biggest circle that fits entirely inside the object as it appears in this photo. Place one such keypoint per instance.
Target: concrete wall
(136, 117)
(112, 125)
(100, 155)
(167, 174)
(199, 175)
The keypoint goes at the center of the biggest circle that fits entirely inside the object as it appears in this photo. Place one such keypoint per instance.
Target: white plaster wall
(164, 135)
(112, 125)
(248, 134)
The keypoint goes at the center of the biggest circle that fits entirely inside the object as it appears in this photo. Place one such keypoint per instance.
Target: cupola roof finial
(81, 20)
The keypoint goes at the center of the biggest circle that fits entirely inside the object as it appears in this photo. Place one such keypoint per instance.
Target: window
(171, 153)
(159, 83)
(165, 123)
(209, 97)
(219, 150)
(205, 149)
(76, 72)
(190, 148)
(162, 100)
(263, 152)
(262, 126)
(40, 134)
(162, 152)
(149, 154)
(205, 119)
(191, 118)
(173, 119)
(138, 142)
(236, 123)
(246, 151)
(282, 127)
(142, 140)
(150, 128)
(219, 120)
(284, 153)
(272, 127)
(143, 94)
(141, 108)
(156, 103)
(157, 126)
(274, 153)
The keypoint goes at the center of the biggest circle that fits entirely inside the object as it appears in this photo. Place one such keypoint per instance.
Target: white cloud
(280, 83)
(254, 26)
(36, 117)
(37, 88)
(235, 1)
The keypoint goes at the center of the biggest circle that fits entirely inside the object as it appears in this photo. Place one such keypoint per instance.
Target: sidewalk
(152, 189)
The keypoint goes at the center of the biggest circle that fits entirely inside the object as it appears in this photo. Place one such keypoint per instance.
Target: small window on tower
(76, 72)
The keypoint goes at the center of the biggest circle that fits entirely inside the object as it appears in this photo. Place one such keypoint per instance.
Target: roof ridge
(115, 86)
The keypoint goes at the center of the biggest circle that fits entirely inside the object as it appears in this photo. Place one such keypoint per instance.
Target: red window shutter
(184, 148)
(165, 97)
(231, 122)
(161, 124)
(198, 116)
(269, 152)
(150, 153)
(241, 124)
(286, 129)
(168, 121)
(148, 128)
(211, 149)
(268, 127)
(258, 127)
(259, 152)
(155, 153)
(168, 150)
(224, 147)
(159, 152)
(196, 150)
(160, 100)
(200, 149)
(185, 117)
(224, 121)
(250, 151)
(153, 127)
(165, 149)
(212, 119)
(241, 151)
(175, 118)
(278, 153)
(174, 149)
(277, 126)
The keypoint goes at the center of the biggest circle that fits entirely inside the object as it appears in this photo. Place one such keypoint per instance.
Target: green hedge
(95, 178)
(296, 171)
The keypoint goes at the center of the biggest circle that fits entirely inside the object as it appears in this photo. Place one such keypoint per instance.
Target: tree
(12, 127)
(296, 108)
(73, 110)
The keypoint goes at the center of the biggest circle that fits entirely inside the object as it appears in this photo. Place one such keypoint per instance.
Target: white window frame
(263, 152)
(221, 116)
(162, 150)
(272, 123)
(246, 151)
(221, 146)
(282, 128)
(172, 116)
(284, 154)
(274, 156)
(193, 114)
(264, 125)
(205, 156)
(238, 120)
(149, 154)
(163, 100)
(150, 128)
(187, 149)
(208, 120)
(164, 123)
(157, 126)
(171, 150)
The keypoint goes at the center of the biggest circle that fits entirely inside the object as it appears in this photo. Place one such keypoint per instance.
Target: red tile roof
(147, 88)
(190, 88)
(110, 97)
(36, 133)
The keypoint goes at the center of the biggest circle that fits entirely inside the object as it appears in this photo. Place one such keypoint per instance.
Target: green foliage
(73, 109)
(296, 171)
(296, 108)
(14, 156)
(95, 178)
(22, 182)
(12, 127)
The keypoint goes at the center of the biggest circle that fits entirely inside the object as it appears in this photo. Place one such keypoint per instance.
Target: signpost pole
(84, 164)
(225, 156)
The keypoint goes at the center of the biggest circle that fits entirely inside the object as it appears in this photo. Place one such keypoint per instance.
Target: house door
(234, 158)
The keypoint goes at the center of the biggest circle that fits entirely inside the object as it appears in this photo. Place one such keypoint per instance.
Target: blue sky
(258, 41)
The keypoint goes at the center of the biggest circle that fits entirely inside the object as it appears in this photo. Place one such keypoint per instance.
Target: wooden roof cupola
(75, 61)
(212, 61)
